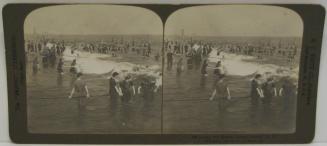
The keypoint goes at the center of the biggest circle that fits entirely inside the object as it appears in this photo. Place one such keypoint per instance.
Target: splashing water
(93, 63)
(237, 65)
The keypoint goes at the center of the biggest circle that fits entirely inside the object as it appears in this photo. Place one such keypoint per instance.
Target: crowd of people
(196, 51)
(192, 51)
(48, 53)
(114, 47)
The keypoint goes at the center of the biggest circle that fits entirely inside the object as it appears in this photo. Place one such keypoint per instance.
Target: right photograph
(231, 69)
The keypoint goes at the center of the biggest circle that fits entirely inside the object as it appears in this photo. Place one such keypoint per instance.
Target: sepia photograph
(113, 69)
(231, 69)
(93, 69)
(146, 73)
(162, 73)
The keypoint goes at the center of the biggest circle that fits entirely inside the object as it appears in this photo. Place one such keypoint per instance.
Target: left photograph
(93, 69)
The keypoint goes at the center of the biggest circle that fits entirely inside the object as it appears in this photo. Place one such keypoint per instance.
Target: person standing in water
(73, 71)
(60, 66)
(158, 82)
(169, 60)
(204, 73)
(114, 90)
(218, 72)
(128, 89)
(179, 66)
(221, 91)
(81, 90)
(256, 93)
(45, 57)
(287, 92)
(73, 67)
(269, 91)
(204, 67)
(60, 71)
(35, 66)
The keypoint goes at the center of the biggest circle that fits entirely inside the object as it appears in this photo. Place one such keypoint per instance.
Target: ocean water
(50, 110)
(182, 106)
(187, 108)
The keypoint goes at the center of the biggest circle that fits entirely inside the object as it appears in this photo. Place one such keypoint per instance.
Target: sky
(214, 20)
(93, 19)
(235, 20)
